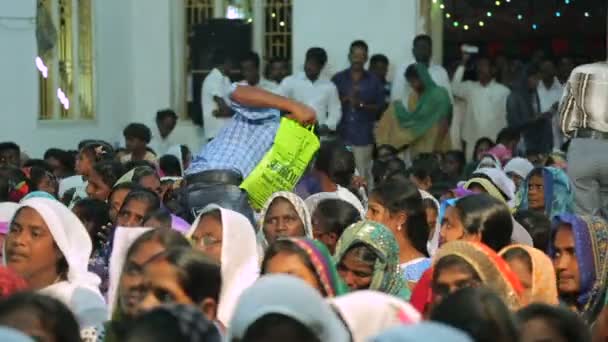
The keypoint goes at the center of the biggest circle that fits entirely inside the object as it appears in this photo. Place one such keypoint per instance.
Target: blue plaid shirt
(241, 144)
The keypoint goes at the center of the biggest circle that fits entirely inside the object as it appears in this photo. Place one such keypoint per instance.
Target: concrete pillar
(436, 32)
(219, 9)
(259, 18)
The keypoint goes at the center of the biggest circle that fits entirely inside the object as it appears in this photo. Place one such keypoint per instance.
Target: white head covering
(502, 182)
(290, 296)
(300, 207)
(70, 236)
(520, 166)
(425, 331)
(7, 211)
(343, 194)
(176, 150)
(433, 243)
(239, 259)
(368, 313)
(123, 239)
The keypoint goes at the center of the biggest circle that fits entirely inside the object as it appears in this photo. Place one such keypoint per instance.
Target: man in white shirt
(319, 93)
(214, 96)
(166, 120)
(549, 94)
(250, 68)
(486, 100)
(423, 51)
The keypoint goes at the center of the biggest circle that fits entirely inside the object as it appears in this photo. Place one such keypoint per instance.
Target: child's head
(42, 179)
(509, 137)
(378, 65)
(10, 154)
(422, 177)
(335, 161)
(62, 162)
(170, 166)
(91, 153)
(453, 163)
(331, 218)
(102, 179)
(138, 137)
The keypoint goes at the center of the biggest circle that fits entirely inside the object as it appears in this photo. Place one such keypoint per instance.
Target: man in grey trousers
(584, 118)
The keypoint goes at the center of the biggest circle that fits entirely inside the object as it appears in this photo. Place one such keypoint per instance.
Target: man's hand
(303, 114)
(223, 110)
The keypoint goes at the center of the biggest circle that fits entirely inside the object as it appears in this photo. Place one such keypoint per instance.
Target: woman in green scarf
(367, 258)
(418, 122)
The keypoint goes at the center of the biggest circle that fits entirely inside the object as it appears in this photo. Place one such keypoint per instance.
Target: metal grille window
(64, 32)
(277, 36)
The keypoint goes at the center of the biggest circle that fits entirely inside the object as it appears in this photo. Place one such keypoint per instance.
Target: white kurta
(486, 112)
(215, 84)
(547, 98)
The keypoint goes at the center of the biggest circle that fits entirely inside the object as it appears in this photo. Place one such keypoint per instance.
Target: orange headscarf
(493, 271)
(544, 284)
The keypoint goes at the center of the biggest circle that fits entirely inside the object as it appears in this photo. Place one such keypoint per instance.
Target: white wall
(388, 27)
(19, 81)
(133, 75)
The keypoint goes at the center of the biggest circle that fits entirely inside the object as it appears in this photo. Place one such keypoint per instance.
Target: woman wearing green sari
(418, 122)
(367, 258)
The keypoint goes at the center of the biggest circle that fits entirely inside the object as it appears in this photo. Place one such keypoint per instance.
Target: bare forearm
(255, 97)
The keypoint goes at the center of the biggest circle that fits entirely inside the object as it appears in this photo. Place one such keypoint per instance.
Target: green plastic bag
(283, 165)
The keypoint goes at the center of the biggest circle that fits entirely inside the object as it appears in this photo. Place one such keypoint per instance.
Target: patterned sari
(559, 195)
(387, 276)
(544, 284)
(493, 271)
(591, 246)
(323, 265)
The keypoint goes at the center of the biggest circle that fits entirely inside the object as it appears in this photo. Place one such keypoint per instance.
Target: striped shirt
(585, 100)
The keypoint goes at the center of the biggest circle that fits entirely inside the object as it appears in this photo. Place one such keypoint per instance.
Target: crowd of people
(390, 234)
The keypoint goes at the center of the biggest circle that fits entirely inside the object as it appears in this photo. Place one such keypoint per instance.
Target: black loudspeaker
(229, 35)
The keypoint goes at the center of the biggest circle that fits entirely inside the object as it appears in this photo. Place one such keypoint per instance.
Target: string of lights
(481, 21)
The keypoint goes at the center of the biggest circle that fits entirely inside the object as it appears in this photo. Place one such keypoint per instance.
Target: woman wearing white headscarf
(284, 215)
(229, 238)
(365, 320)
(283, 307)
(433, 243)
(50, 248)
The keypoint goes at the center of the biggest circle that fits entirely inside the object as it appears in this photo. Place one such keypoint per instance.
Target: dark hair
(54, 317)
(41, 163)
(110, 171)
(517, 253)
(363, 253)
(160, 325)
(65, 158)
(428, 203)
(97, 213)
(10, 146)
(538, 226)
(480, 313)
(458, 156)
(133, 164)
(423, 38)
(378, 58)
(252, 57)
(198, 275)
(165, 114)
(478, 144)
(162, 215)
(454, 261)
(141, 172)
(486, 215)
(386, 152)
(411, 72)
(144, 195)
(98, 151)
(167, 238)
(317, 55)
(336, 215)
(170, 165)
(37, 174)
(564, 322)
(403, 196)
(337, 162)
(138, 131)
(359, 44)
(382, 169)
(287, 246)
(277, 327)
(124, 186)
(508, 134)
